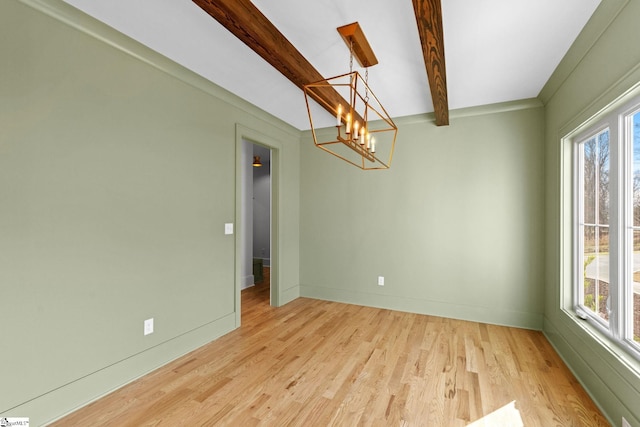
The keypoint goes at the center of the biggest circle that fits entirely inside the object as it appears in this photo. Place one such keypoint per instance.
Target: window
(607, 226)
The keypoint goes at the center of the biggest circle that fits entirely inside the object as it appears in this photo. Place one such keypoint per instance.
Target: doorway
(264, 200)
(246, 139)
(257, 207)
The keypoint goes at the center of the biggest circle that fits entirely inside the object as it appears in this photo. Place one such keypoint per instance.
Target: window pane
(635, 303)
(590, 242)
(636, 313)
(596, 179)
(636, 169)
(589, 196)
(603, 273)
(596, 270)
(603, 178)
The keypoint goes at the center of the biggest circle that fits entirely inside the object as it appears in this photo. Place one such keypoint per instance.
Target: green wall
(117, 172)
(456, 226)
(601, 66)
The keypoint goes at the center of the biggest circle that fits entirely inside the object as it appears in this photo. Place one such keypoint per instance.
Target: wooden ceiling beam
(429, 18)
(248, 24)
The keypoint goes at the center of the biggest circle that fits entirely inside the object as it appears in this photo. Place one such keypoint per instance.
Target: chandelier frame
(366, 128)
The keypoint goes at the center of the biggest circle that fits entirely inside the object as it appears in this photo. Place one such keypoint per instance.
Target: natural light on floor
(508, 415)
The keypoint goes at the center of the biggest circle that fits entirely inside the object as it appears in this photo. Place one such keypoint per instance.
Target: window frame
(619, 122)
(626, 297)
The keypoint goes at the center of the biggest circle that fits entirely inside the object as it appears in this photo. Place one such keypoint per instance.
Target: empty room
(235, 212)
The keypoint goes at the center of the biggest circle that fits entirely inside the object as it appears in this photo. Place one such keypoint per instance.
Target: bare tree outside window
(596, 171)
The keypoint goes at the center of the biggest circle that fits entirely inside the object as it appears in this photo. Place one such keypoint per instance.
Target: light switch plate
(228, 228)
(380, 280)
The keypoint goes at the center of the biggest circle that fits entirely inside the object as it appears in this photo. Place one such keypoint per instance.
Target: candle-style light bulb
(339, 116)
(365, 135)
(348, 129)
(373, 145)
(356, 126)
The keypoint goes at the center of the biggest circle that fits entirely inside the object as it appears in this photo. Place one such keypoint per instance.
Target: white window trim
(620, 327)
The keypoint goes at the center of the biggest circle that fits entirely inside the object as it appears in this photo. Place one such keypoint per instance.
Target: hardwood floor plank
(324, 363)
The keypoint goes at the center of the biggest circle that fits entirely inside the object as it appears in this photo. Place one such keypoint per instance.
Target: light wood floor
(318, 363)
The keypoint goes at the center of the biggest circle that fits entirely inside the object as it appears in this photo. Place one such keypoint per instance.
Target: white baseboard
(62, 401)
(490, 315)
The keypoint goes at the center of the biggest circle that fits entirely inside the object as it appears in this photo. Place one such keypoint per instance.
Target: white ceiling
(495, 50)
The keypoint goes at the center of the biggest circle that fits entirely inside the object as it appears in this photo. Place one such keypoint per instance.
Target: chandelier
(365, 135)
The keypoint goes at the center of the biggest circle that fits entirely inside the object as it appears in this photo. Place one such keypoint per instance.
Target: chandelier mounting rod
(353, 36)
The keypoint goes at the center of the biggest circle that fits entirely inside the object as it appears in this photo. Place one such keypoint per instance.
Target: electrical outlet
(148, 326)
(380, 280)
(228, 228)
(625, 423)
